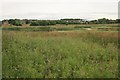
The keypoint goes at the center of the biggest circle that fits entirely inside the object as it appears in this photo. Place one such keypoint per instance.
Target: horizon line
(56, 18)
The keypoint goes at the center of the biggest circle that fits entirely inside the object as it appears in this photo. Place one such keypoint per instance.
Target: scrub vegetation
(28, 53)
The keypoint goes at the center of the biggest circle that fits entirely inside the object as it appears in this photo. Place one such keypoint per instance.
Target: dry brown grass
(100, 36)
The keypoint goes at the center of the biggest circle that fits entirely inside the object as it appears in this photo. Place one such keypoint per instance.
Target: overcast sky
(57, 9)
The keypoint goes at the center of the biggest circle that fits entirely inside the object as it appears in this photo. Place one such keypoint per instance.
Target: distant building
(74, 20)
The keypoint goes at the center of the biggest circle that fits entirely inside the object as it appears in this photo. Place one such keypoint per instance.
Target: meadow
(60, 54)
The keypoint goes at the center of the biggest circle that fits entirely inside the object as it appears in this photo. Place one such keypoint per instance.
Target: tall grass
(60, 54)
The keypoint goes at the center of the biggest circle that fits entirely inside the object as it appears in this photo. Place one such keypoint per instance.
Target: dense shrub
(34, 24)
(15, 22)
(42, 23)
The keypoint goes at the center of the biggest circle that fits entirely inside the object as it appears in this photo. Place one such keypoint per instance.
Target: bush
(34, 24)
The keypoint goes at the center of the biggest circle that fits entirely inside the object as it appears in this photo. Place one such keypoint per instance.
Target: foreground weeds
(60, 54)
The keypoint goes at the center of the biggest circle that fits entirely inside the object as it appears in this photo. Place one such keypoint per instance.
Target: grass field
(69, 54)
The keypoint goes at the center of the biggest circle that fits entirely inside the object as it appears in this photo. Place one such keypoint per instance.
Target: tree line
(18, 22)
